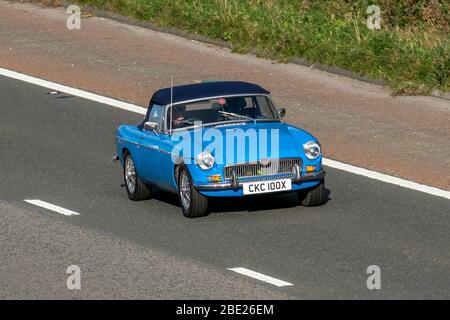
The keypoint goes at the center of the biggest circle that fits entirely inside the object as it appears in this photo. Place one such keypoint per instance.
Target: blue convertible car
(218, 139)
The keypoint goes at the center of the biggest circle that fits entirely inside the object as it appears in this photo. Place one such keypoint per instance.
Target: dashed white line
(134, 108)
(261, 277)
(51, 207)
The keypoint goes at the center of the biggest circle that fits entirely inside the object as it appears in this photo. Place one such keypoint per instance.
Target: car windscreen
(246, 108)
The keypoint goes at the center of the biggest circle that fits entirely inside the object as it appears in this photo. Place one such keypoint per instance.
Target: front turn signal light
(214, 178)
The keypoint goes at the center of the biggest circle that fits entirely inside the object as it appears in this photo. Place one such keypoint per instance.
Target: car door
(167, 163)
(150, 143)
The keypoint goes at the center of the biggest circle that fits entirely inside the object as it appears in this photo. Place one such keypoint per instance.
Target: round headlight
(205, 160)
(312, 150)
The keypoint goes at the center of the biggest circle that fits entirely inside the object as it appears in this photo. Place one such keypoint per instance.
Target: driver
(236, 105)
(178, 113)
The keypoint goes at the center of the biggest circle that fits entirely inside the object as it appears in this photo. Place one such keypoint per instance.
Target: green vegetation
(411, 51)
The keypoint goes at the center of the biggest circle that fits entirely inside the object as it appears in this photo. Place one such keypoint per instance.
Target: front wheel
(314, 196)
(136, 189)
(193, 204)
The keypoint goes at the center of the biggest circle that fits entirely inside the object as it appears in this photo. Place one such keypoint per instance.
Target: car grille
(258, 169)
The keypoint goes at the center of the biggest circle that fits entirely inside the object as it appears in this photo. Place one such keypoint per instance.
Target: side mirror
(281, 112)
(150, 126)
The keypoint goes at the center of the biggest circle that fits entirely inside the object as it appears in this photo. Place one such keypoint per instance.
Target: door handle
(153, 147)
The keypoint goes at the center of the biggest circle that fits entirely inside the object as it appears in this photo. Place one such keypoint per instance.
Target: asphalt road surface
(58, 148)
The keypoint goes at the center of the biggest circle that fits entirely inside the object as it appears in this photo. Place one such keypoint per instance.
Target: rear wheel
(193, 203)
(136, 189)
(314, 196)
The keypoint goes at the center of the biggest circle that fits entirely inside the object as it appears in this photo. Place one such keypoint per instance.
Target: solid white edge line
(386, 178)
(73, 91)
(52, 207)
(134, 108)
(260, 276)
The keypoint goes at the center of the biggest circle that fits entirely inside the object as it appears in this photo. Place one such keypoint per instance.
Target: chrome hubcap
(130, 174)
(185, 190)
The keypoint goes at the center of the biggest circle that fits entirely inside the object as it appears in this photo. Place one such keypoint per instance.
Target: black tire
(141, 190)
(198, 204)
(314, 196)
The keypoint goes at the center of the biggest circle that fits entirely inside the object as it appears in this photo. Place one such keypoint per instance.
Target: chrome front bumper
(235, 184)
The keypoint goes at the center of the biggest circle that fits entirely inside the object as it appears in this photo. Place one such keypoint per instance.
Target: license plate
(266, 186)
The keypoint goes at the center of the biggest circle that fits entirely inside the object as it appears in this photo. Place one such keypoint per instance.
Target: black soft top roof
(206, 90)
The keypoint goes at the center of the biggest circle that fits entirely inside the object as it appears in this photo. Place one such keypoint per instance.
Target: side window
(265, 108)
(156, 115)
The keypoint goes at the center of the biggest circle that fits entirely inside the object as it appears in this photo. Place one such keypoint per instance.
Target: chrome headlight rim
(205, 160)
(312, 150)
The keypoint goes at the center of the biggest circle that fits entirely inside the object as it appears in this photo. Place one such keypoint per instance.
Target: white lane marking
(52, 207)
(72, 91)
(134, 108)
(386, 178)
(260, 276)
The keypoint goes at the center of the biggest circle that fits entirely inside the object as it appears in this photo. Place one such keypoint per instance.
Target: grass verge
(411, 51)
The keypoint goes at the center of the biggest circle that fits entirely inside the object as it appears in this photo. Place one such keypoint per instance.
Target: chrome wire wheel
(185, 190)
(130, 174)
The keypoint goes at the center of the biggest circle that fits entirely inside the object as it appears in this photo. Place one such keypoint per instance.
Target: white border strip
(386, 178)
(134, 108)
(73, 91)
(261, 277)
(52, 207)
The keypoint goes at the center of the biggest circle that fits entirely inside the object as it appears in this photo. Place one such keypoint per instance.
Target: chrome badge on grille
(265, 162)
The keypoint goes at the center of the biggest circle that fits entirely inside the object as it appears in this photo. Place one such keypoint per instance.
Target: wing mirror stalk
(151, 126)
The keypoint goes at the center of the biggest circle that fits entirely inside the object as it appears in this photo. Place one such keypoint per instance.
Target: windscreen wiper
(236, 115)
